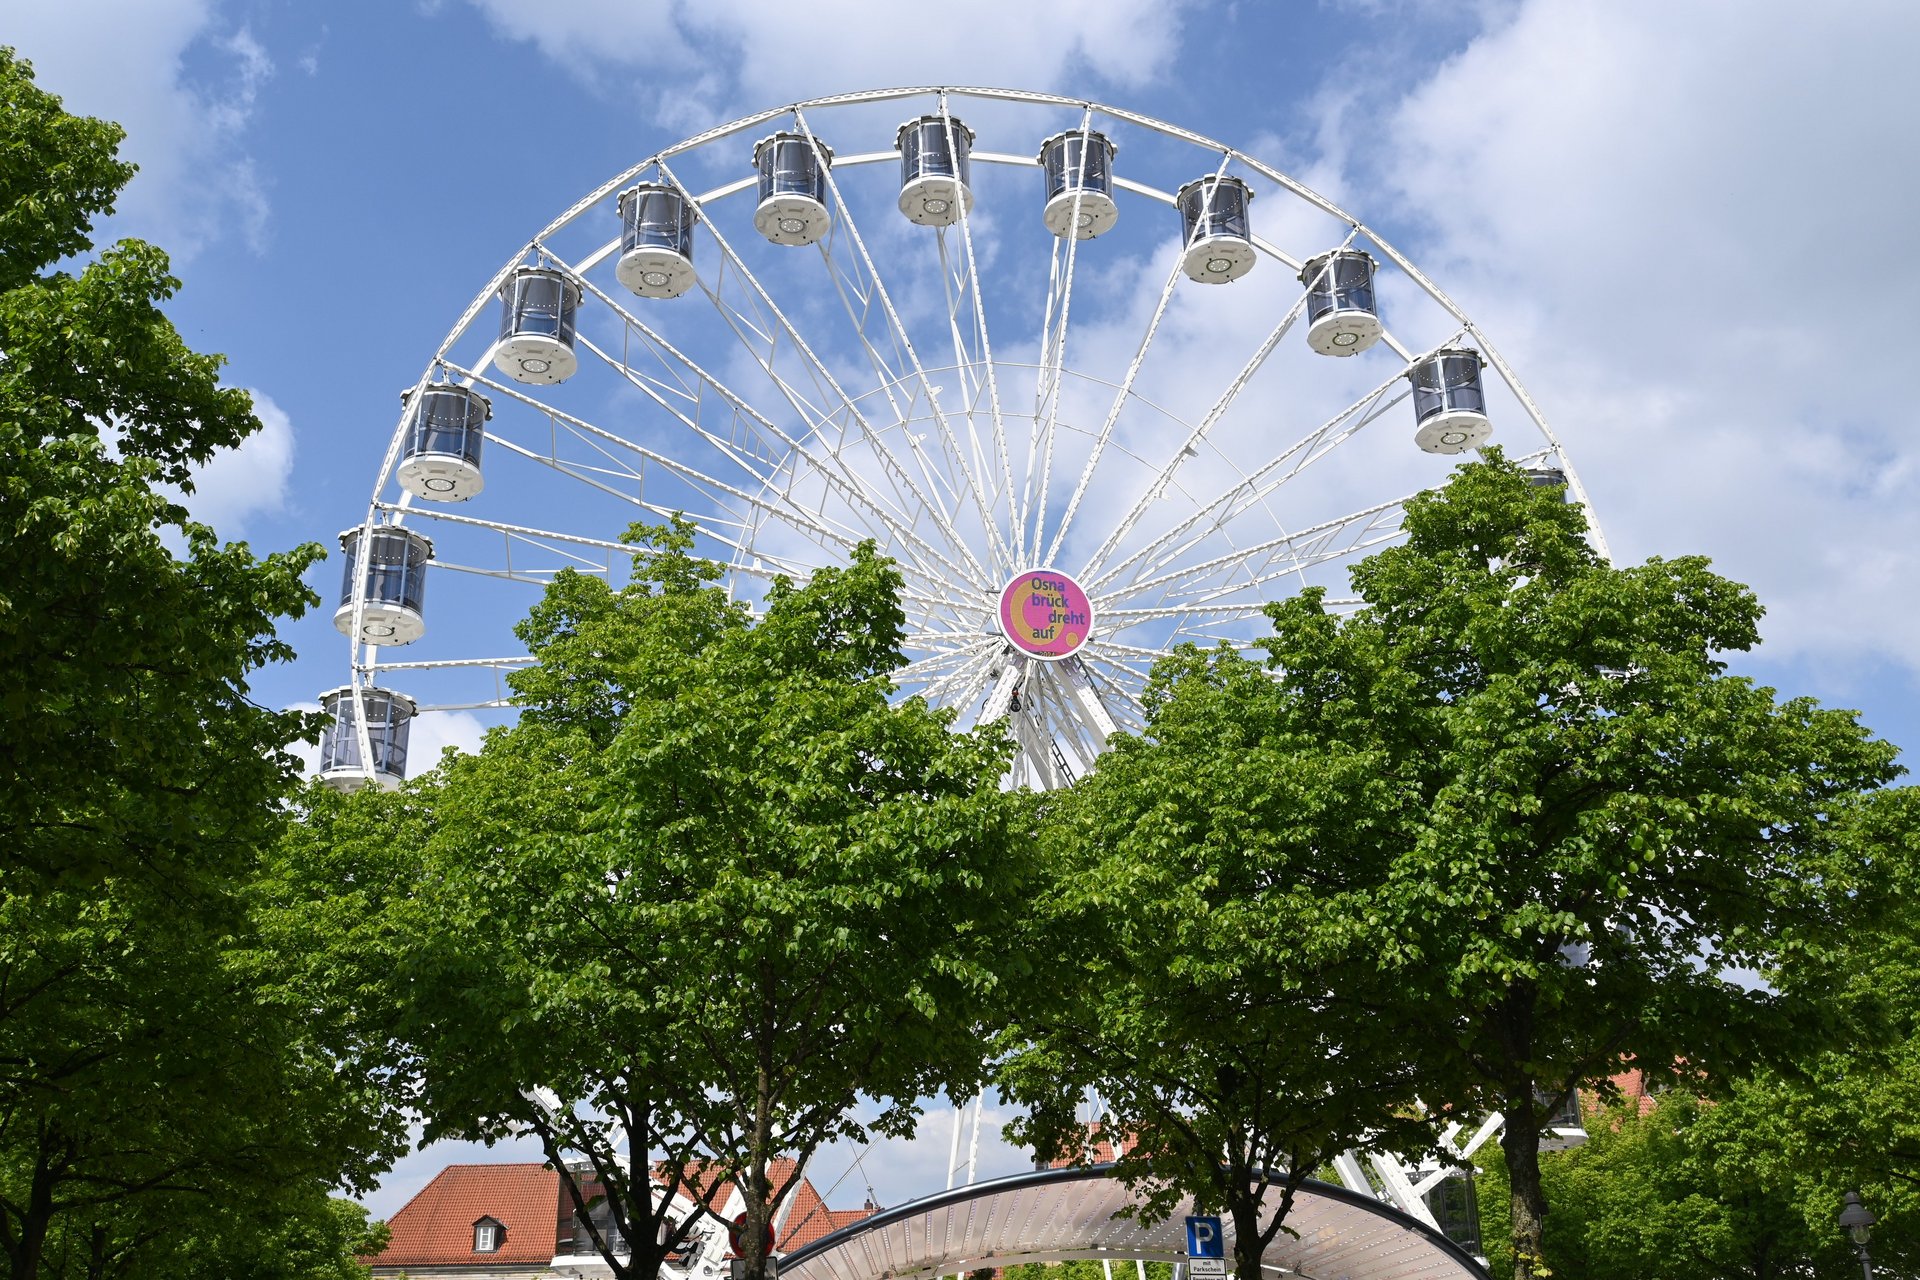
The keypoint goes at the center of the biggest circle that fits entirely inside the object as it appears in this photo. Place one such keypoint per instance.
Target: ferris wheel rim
(958, 637)
(754, 120)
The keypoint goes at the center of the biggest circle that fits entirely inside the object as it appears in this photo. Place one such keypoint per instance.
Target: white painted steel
(1071, 1214)
(797, 400)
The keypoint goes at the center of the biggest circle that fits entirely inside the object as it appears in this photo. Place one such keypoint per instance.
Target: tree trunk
(32, 1237)
(753, 1236)
(1520, 1143)
(1247, 1244)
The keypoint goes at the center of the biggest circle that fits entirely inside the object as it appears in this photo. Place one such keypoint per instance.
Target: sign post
(1206, 1247)
(770, 1266)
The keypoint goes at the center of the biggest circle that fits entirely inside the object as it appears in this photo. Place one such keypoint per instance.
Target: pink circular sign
(1045, 613)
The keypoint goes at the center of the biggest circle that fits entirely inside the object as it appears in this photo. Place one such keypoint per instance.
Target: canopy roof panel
(1057, 1214)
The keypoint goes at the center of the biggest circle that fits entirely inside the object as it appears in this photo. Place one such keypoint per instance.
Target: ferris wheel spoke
(986, 363)
(763, 426)
(965, 687)
(1198, 435)
(901, 527)
(1256, 486)
(790, 513)
(551, 542)
(946, 656)
(1126, 389)
(903, 340)
(966, 368)
(1063, 257)
(1106, 650)
(1063, 724)
(1306, 548)
(776, 324)
(861, 297)
(1050, 719)
(1157, 613)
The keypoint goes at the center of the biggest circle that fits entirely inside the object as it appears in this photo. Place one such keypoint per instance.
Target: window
(488, 1234)
(1566, 1115)
(1456, 1209)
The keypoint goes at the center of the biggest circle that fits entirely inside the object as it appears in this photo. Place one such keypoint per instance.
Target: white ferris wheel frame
(1076, 703)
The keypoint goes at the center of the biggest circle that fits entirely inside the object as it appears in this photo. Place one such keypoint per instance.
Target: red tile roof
(435, 1228)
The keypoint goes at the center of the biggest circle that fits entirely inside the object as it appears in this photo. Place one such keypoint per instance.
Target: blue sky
(1685, 225)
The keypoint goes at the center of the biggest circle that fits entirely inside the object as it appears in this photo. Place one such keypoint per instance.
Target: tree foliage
(1210, 973)
(1594, 822)
(1507, 827)
(147, 1073)
(129, 741)
(1747, 1184)
(712, 890)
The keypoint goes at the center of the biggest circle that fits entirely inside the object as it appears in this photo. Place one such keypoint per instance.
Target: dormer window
(488, 1235)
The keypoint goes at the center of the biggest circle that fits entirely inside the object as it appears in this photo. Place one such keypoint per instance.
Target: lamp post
(1857, 1221)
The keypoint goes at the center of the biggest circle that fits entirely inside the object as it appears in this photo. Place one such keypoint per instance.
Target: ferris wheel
(1098, 384)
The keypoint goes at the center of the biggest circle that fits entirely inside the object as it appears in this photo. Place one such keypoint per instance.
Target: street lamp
(1857, 1221)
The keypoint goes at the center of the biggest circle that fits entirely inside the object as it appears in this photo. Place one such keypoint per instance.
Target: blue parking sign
(1204, 1239)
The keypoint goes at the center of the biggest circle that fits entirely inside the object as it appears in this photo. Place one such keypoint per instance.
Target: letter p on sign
(1204, 1239)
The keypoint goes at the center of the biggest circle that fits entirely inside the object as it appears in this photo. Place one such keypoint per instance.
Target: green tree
(1210, 971)
(143, 1056)
(234, 1236)
(1747, 1185)
(1593, 821)
(713, 889)
(1089, 1269)
(128, 740)
(1700, 1190)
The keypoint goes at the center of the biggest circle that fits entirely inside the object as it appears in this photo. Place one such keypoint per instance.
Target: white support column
(1398, 1189)
(1001, 699)
(1094, 718)
(1352, 1176)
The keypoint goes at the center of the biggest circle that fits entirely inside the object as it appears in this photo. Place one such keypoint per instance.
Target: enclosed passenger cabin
(396, 584)
(935, 156)
(1341, 317)
(537, 309)
(656, 241)
(1449, 405)
(793, 188)
(389, 718)
(1548, 478)
(1078, 168)
(441, 458)
(1215, 229)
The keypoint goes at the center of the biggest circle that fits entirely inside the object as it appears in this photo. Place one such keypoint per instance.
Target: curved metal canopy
(1057, 1214)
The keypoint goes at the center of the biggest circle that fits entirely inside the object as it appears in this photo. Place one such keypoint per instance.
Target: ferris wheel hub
(1045, 613)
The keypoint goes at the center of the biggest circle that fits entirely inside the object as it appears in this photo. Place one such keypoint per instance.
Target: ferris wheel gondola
(1015, 407)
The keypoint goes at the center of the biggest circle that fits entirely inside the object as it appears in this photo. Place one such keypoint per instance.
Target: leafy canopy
(1594, 821)
(147, 1068)
(713, 890)
(1212, 973)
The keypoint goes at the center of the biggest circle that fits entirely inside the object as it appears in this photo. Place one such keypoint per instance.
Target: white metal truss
(975, 400)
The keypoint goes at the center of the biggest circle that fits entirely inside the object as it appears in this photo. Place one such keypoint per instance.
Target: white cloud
(1682, 224)
(435, 732)
(126, 63)
(721, 56)
(237, 484)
